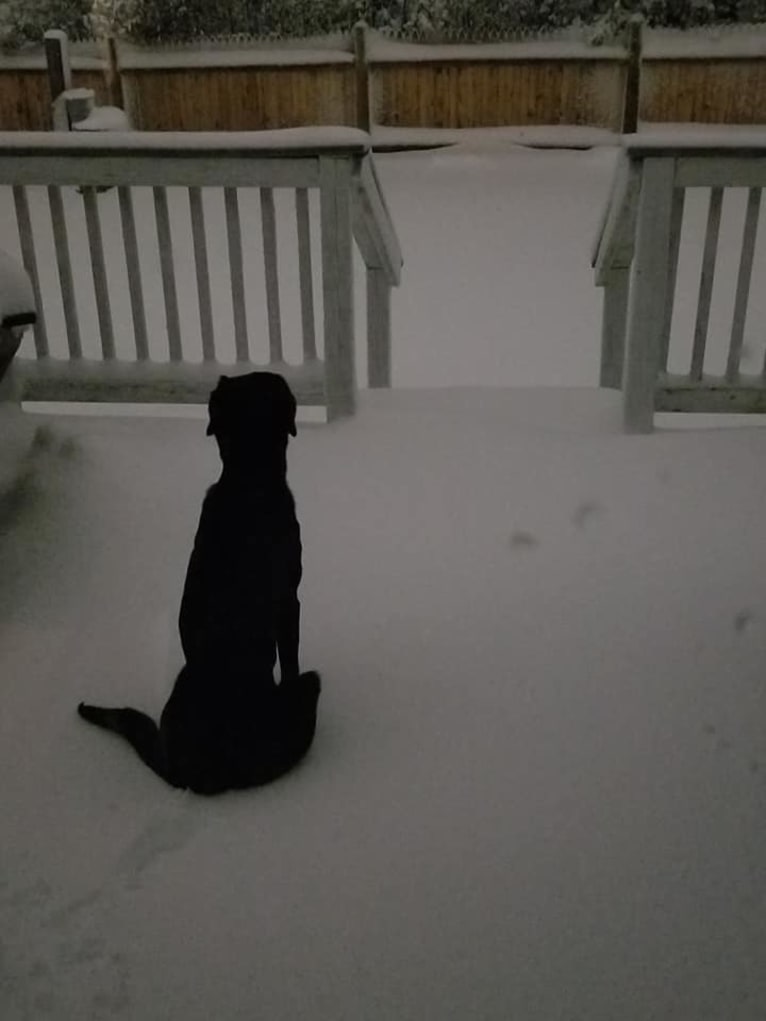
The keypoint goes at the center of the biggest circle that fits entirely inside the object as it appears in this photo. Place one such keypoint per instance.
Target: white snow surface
(537, 786)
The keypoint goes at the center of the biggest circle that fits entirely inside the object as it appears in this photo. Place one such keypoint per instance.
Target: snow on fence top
(691, 142)
(281, 142)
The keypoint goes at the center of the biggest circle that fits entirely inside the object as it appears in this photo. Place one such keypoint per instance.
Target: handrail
(635, 257)
(336, 162)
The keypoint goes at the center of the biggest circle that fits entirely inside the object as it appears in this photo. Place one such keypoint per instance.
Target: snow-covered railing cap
(17, 302)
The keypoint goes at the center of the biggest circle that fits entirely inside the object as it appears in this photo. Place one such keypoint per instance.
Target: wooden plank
(237, 273)
(121, 167)
(337, 287)
(133, 265)
(271, 269)
(64, 264)
(199, 239)
(676, 223)
(29, 260)
(613, 327)
(148, 382)
(649, 291)
(98, 265)
(303, 222)
(378, 329)
(615, 240)
(707, 279)
(373, 228)
(712, 396)
(167, 269)
(718, 169)
(743, 283)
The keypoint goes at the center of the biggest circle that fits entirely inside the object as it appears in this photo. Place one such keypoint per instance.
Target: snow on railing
(175, 278)
(636, 261)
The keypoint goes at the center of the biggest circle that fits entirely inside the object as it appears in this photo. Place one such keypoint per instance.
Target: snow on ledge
(686, 139)
(290, 141)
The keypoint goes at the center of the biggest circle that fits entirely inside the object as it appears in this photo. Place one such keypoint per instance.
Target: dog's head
(251, 410)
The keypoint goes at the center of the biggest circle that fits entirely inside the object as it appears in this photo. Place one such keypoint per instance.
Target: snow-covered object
(104, 118)
(17, 301)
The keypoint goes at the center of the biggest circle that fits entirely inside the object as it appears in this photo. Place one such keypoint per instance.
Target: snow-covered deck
(537, 788)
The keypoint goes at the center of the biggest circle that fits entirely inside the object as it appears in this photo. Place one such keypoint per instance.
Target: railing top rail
(697, 143)
(373, 227)
(286, 143)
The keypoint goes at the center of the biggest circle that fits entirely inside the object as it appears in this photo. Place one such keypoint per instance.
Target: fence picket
(306, 278)
(269, 230)
(98, 265)
(743, 283)
(203, 273)
(133, 264)
(165, 242)
(706, 284)
(237, 272)
(64, 262)
(29, 259)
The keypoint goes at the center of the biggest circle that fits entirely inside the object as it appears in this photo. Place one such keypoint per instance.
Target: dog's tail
(138, 729)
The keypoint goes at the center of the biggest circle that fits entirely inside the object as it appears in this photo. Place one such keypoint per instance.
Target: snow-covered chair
(17, 311)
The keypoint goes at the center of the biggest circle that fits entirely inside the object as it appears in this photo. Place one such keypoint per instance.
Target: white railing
(145, 252)
(636, 260)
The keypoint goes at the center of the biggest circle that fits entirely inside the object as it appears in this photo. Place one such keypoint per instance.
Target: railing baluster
(64, 263)
(269, 225)
(236, 269)
(98, 265)
(676, 221)
(133, 264)
(706, 284)
(337, 286)
(203, 273)
(306, 275)
(743, 283)
(29, 259)
(165, 242)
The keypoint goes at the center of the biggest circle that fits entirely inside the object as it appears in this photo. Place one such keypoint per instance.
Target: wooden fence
(408, 85)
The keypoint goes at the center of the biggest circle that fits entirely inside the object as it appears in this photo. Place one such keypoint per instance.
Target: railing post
(650, 292)
(378, 329)
(337, 285)
(613, 324)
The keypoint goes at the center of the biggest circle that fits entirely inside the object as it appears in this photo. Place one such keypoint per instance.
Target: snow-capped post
(59, 75)
(633, 75)
(362, 77)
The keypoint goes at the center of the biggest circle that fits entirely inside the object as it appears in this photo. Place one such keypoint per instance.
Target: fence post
(633, 76)
(112, 73)
(57, 62)
(614, 318)
(362, 77)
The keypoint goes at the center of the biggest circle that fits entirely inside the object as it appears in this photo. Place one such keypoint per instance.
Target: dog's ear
(213, 405)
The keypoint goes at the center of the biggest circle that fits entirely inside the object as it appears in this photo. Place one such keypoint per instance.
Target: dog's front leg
(288, 638)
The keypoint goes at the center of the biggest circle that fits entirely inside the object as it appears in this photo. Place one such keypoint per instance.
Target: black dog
(226, 723)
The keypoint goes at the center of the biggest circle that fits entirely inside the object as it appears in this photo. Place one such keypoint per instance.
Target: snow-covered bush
(24, 22)
(147, 21)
